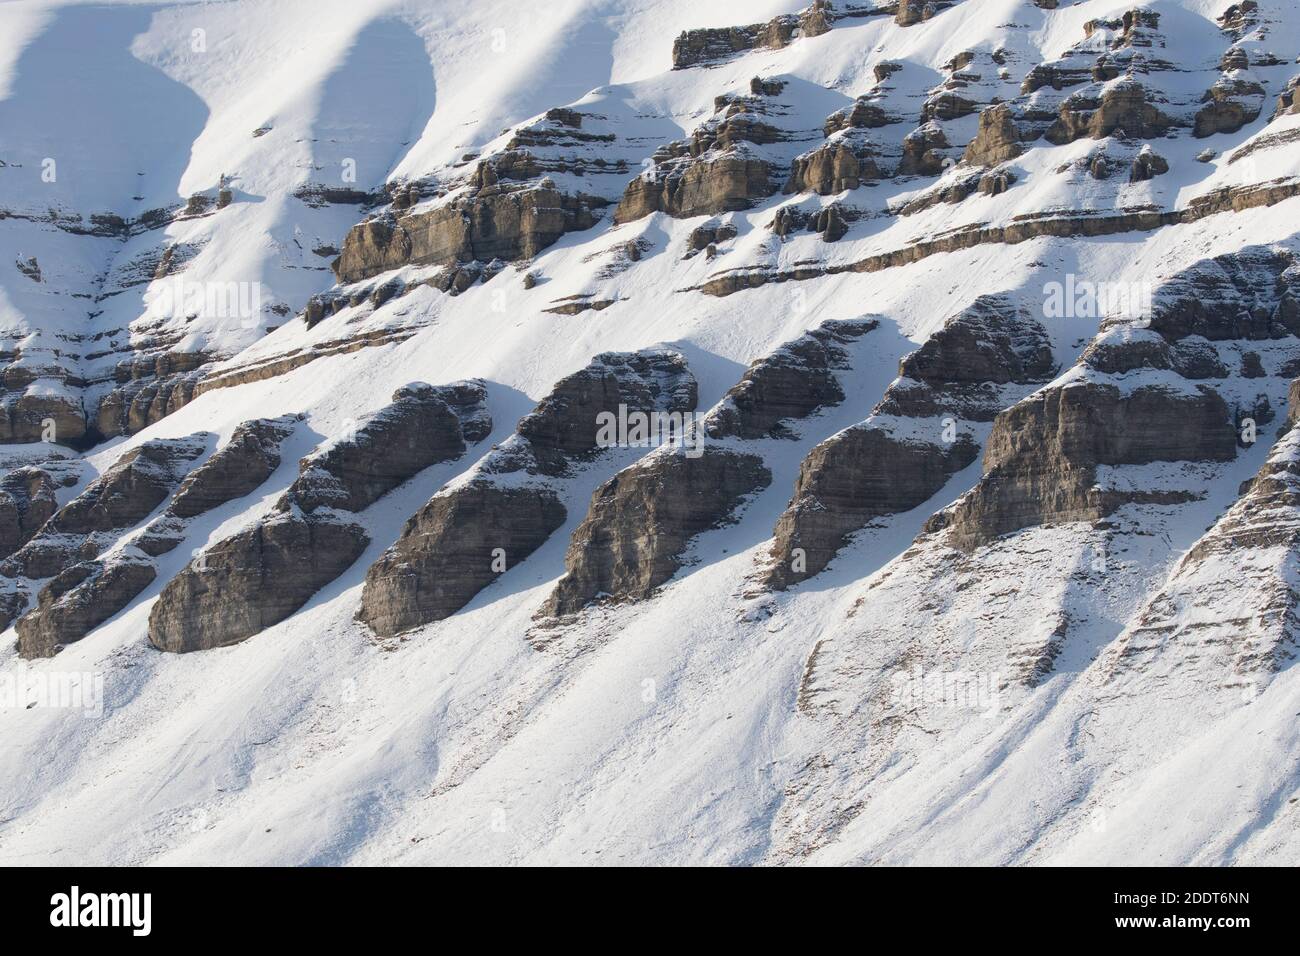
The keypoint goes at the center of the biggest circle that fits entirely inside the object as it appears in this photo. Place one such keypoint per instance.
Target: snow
(671, 731)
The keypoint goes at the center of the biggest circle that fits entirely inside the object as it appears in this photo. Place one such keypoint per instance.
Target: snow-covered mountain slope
(980, 319)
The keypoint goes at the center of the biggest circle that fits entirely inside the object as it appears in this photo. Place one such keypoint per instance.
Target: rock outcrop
(844, 163)
(26, 502)
(1041, 459)
(148, 388)
(124, 495)
(497, 222)
(698, 187)
(265, 573)
(791, 383)
(253, 580)
(863, 472)
(470, 533)
(983, 359)
(997, 140)
(79, 599)
(722, 167)
(415, 430)
(642, 521)
(236, 469)
(715, 44)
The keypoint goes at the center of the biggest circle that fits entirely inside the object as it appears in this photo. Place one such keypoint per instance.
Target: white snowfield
(874, 714)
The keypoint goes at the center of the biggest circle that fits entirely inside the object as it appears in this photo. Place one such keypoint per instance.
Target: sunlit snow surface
(709, 724)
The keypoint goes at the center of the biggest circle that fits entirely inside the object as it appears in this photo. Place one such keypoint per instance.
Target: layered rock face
(997, 140)
(453, 548)
(983, 358)
(509, 225)
(701, 187)
(1120, 82)
(148, 389)
(1227, 618)
(416, 430)
(32, 416)
(1041, 460)
(1041, 463)
(262, 575)
(845, 163)
(715, 44)
(566, 425)
(474, 531)
(253, 580)
(640, 525)
(79, 599)
(127, 493)
(124, 495)
(723, 167)
(641, 522)
(26, 502)
(239, 467)
(860, 474)
(793, 382)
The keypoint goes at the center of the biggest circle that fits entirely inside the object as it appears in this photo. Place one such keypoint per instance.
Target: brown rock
(454, 547)
(792, 383)
(416, 430)
(860, 473)
(832, 168)
(643, 519)
(1040, 461)
(78, 600)
(510, 225)
(703, 187)
(26, 502)
(243, 463)
(253, 580)
(1123, 108)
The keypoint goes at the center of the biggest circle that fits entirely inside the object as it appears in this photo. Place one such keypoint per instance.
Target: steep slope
(987, 555)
